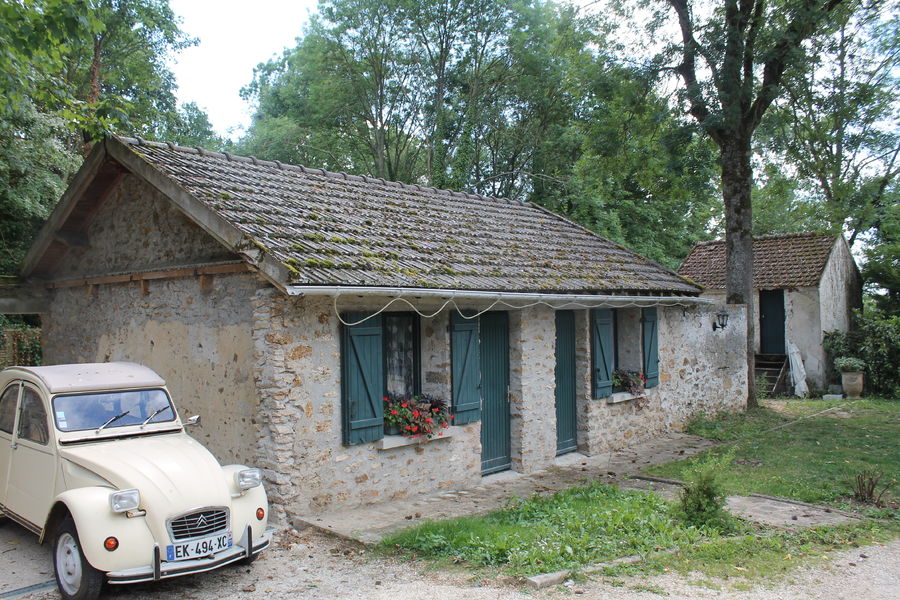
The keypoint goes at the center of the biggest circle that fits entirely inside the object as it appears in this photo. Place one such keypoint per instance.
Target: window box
(619, 397)
(389, 442)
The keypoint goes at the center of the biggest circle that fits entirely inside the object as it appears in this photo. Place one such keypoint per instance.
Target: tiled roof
(779, 261)
(338, 229)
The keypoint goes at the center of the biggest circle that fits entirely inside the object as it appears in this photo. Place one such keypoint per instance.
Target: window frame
(616, 344)
(20, 437)
(417, 349)
(365, 431)
(17, 385)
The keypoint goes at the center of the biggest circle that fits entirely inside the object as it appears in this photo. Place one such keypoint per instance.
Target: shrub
(702, 502)
(865, 488)
(20, 345)
(848, 364)
(876, 342)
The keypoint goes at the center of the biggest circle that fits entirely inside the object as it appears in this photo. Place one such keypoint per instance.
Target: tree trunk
(737, 181)
(93, 96)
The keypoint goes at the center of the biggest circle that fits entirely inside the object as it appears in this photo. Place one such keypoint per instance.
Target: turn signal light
(260, 514)
(110, 543)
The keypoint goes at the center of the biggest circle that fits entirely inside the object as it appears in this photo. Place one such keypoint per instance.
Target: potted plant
(629, 381)
(416, 416)
(851, 374)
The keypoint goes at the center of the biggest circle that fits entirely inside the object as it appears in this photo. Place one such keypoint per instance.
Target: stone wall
(532, 385)
(197, 339)
(700, 371)
(803, 328)
(298, 379)
(137, 228)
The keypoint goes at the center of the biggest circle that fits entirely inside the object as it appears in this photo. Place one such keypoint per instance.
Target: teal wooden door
(565, 382)
(495, 432)
(771, 322)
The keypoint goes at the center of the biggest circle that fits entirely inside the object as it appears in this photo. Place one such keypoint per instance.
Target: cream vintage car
(95, 460)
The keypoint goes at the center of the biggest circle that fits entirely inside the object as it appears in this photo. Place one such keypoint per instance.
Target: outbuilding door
(495, 431)
(565, 382)
(771, 322)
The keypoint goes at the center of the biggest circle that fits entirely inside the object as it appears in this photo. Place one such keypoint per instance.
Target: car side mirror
(195, 420)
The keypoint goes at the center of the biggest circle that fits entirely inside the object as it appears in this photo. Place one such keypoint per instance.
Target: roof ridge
(137, 141)
(776, 236)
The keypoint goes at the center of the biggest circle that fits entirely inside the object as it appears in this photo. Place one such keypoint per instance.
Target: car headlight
(248, 478)
(125, 500)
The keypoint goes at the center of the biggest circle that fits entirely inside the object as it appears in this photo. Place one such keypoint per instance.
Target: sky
(235, 36)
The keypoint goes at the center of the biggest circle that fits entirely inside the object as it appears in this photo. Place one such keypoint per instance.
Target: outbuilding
(805, 284)
(282, 303)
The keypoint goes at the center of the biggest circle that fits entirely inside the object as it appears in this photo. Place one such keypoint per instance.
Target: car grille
(197, 524)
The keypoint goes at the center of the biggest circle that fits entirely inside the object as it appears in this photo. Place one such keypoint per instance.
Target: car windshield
(108, 410)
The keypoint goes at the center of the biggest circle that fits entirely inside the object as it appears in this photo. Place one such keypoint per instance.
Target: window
(8, 408)
(622, 339)
(33, 418)
(379, 356)
(401, 354)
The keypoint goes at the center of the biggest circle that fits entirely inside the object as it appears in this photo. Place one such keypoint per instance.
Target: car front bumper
(160, 569)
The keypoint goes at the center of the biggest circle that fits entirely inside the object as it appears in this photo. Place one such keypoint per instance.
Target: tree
(882, 268)
(836, 124)
(34, 168)
(119, 72)
(188, 126)
(642, 169)
(33, 35)
(744, 48)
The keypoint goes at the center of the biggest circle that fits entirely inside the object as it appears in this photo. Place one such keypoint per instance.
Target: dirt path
(313, 566)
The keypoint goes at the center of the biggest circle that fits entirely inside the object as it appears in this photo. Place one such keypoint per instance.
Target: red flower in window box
(417, 415)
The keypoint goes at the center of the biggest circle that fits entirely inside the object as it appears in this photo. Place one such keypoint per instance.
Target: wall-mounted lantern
(721, 320)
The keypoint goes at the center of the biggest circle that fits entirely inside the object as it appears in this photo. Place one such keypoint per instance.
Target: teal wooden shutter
(650, 346)
(362, 380)
(602, 349)
(466, 369)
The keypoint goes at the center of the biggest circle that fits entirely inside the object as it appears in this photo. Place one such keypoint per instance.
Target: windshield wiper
(112, 420)
(156, 412)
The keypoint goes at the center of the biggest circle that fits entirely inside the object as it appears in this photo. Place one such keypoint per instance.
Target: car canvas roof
(86, 377)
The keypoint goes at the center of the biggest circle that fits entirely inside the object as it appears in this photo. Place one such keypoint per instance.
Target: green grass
(576, 527)
(813, 460)
(771, 555)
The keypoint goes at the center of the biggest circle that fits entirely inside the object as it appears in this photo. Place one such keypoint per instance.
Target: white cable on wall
(497, 302)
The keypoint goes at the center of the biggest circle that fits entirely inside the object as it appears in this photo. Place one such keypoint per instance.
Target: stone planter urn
(852, 382)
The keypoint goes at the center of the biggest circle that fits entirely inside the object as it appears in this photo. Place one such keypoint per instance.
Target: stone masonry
(532, 357)
(298, 379)
(700, 372)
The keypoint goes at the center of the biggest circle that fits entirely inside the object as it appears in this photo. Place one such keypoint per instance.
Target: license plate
(199, 548)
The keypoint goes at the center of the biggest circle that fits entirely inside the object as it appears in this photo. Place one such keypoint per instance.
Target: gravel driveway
(314, 566)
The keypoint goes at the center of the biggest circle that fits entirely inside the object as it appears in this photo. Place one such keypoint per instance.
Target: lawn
(576, 527)
(787, 449)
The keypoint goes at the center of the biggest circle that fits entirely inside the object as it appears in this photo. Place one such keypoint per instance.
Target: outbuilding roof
(310, 227)
(779, 261)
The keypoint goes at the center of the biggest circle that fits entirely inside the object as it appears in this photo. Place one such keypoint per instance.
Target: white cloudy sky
(235, 36)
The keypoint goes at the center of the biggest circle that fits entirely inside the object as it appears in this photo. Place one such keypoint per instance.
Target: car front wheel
(76, 578)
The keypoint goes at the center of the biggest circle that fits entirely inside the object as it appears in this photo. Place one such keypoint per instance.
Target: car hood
(173, 472)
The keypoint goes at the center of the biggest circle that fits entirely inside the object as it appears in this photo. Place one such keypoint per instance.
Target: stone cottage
(282, 303)
(805, 283)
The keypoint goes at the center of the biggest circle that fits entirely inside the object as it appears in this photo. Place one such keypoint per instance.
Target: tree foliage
(72, 70)
(836, 125)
